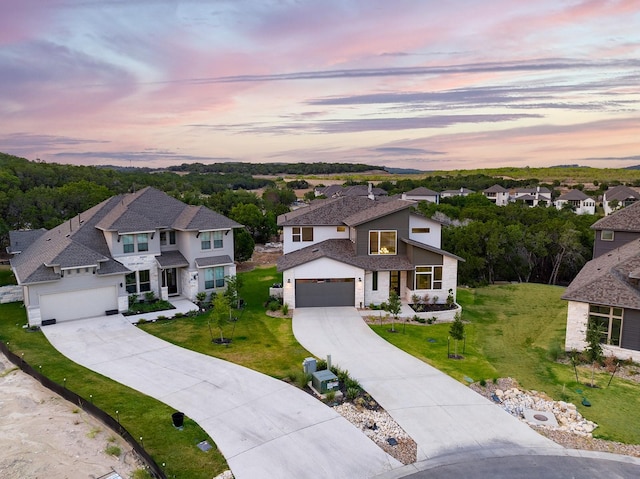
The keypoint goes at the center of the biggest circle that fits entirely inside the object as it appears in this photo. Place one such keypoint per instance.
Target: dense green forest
(272, 169)
(511, 243)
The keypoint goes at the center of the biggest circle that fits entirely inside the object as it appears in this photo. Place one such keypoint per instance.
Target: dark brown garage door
(325, 292)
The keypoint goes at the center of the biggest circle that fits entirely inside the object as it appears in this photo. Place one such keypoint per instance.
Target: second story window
(606, 235)
(382, 242)
(205, 240)
(217, 239)
(128, 245)
(167, 238)
(143, 242)
(302, 233)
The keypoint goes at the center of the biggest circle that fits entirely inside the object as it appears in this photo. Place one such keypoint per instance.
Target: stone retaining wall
(10, 294)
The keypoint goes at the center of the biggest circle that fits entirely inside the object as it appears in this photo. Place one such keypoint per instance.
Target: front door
(394, 282)
(170, 280)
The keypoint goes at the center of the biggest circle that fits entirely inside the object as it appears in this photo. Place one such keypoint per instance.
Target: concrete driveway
(264, 427)
(443, 416)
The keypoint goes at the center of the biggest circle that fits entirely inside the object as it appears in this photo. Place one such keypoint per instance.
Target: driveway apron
(443, 416)
(265, 428)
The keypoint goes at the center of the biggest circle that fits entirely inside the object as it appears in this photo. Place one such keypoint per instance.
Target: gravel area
(568, 439)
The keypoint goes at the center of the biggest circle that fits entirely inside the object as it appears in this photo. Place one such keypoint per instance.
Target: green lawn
(6, 276)
(259, 342)
(141, 415)
(517, 331)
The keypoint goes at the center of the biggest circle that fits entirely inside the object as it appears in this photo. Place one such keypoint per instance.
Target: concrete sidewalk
(264, 427)
(442, 415)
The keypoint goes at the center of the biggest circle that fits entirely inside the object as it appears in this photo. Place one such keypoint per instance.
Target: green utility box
(324, 381)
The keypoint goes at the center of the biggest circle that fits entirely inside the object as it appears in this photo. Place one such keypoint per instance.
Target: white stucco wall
(322, 268)
(432, 238)
(320, 233)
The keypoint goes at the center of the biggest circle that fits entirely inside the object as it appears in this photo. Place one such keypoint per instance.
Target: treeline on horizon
(511, 243)
(274, 169)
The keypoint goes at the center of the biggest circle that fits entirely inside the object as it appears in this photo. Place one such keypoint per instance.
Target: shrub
(425, 298)
(483, 383)
(321, 364)
(556, 351)
(415, 298)
(352, 393)
(113, 450)
(450, 298)
(434, 300)
(432, 320)
(418, 319)
(285, 309)
(178, 315)
(301, 379)
(273, 305)
(133, 298)
(201, 296)
(330, 396)
(351, 383)
(149, 296)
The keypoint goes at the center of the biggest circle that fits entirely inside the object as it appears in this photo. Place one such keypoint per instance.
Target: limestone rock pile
(515, 401)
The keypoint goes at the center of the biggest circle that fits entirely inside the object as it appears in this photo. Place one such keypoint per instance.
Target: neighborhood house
(127, 245)
(607, 289)
(355, 250)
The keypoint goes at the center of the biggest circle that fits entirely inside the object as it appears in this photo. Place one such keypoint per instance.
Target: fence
(88, 407)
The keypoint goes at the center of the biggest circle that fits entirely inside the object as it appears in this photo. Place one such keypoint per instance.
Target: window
(144, 280)
(131, 282)
(205, 240)
(167, 235)
(138, 281)
(214, 277)
(128, 244)
(420, 230)
(217, 239)
(382, 242)
(341, 229)
(143, 242)
(302, 233)
(428, 277)
(610, 320)
(374, 281)
(606, 235)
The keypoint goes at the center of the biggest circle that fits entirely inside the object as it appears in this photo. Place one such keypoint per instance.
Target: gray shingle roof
(342, 250)
(626, 219)
(574, 195)
(621, 193)
(213, 261)
(172, 259)
(496, 189)
(421, 191)
(606, 279)
(433, 249)
(346, 210)
(22, 239)
(80, 241)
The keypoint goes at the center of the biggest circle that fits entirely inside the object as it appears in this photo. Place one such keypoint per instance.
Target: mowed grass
(518, 331)
(259, 342)
(141, 415)
(6, 276)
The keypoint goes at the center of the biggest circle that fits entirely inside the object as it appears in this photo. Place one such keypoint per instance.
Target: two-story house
(497, 194)
(538, 196)
(127, 245)
(607, 289)
(353, 251)
(618, 197)
(578, 201)
(422, 194)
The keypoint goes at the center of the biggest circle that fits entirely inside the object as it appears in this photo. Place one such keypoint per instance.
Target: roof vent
(315, 250)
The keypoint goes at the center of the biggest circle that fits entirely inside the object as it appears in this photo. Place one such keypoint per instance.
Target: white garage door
(78, 304)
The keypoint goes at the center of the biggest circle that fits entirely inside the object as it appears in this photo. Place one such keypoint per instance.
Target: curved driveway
(264, 427)
(443, 416)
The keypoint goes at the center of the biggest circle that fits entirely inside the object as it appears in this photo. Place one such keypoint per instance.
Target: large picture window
(382, 242)
(138, 281)
(214, 277)
(610, 321)
(428, 277)
(129, 242)
(302, 233)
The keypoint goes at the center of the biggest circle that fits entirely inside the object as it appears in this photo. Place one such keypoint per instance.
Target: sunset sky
(426, 84)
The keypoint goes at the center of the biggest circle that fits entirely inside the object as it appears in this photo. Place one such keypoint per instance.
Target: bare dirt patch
(43, 435)
(263, 257)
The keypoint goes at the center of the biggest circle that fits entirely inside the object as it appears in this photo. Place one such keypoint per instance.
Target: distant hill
(637, 167)
(276, 168)
(404, 171)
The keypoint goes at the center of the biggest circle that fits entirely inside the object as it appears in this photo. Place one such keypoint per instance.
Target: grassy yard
(6, 276)
(141, 415)
(518, 331)
(259, 342)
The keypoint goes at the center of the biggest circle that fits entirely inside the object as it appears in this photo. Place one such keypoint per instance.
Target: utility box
(324, 381)
(309, 365)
